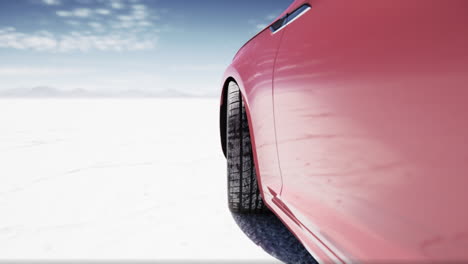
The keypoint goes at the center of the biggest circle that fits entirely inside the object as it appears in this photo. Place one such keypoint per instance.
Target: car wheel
(243, 192)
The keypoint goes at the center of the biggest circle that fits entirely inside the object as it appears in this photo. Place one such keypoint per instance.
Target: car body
(358, 113)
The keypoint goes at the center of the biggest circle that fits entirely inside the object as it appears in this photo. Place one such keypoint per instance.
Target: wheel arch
(223, 113)
(232, 75)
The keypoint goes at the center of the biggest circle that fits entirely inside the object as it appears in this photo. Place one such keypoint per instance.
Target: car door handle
(289, 18)
(278, 24)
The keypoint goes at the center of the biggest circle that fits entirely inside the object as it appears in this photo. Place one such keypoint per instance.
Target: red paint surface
(370, 103)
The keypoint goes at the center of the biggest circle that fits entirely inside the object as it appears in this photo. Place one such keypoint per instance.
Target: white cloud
(138, 18)
(16, 40)
(51, 2)
(86, 43)
(82, 12)
(145, 24)
(123, 24)
(126, 18)
(7, 29)
(76, 41)
(96, 26)
(116, 4)
(63, 13)
(78, 12)
(139, 12)
(132, 28)
(73, 22)
(137, 15)
(102, 11)
(139, 7)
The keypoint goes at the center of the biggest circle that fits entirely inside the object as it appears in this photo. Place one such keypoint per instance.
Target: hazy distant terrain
(113, 179)
(50, 92)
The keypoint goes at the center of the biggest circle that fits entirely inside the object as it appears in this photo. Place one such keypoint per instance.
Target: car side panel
(371, 108)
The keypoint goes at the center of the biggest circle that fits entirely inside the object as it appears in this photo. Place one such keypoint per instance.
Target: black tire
(243, 192)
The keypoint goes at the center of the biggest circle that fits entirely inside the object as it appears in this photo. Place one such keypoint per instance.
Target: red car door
(371, 117)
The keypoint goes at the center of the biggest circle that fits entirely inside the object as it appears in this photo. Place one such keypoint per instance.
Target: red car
(349, 121)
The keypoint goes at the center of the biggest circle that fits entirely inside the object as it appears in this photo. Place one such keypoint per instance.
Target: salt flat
(115, 179)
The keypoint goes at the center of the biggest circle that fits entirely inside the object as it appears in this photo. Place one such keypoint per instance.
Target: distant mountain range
(50, 92)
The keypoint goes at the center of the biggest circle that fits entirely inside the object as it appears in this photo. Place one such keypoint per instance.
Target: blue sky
(116, 45)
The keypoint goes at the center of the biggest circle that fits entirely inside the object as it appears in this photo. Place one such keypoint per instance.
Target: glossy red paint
(359, 117)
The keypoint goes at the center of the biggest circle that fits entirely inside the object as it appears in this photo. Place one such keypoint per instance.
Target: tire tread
(243, 191)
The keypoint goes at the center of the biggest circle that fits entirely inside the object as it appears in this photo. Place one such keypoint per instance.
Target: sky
(111, 46)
